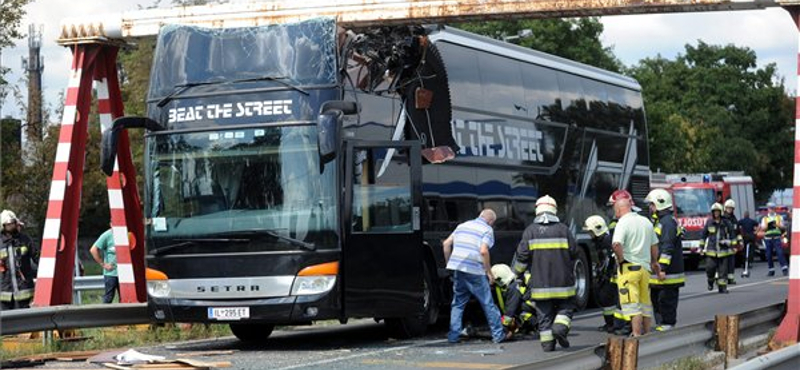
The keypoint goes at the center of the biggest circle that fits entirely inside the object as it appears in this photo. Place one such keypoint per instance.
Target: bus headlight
(306, 285)
(158, 288)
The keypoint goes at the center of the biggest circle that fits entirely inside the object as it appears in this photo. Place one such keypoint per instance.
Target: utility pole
(34, 66)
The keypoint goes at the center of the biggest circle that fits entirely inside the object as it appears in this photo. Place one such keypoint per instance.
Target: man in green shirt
(104, 253)
(635, 244)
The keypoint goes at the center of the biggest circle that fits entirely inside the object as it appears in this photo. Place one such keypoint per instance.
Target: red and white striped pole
(127, 237)
(57, 262)
(789, 330)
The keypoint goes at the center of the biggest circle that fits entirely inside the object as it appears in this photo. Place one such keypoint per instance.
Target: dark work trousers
(112, 287)
(554, 315)
(774, 248)
(731, 273)
(717, 267)
(665, 304)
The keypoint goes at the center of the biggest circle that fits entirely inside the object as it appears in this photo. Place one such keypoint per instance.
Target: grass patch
(688, 363)
(121, 337)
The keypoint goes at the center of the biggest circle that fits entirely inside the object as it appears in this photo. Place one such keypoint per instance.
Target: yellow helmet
(546, 204)
(716, 207)
(595, 225)
(661, 198)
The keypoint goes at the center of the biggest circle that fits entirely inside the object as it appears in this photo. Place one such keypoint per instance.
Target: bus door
(382, 251)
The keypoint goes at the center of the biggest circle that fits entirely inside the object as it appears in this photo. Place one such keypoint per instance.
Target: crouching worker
(510, 297)
(606, 271)
(548, 251)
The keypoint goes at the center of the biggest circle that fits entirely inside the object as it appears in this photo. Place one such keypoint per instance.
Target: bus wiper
(193, 242)
(278, 79)
(181, 88)
(164, 249)
(292, 241)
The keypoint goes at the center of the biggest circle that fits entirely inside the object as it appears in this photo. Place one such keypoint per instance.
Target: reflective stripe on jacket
(547, 250)
(670, 251)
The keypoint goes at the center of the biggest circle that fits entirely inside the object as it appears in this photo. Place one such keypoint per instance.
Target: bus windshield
(234, 182)
(693, 202)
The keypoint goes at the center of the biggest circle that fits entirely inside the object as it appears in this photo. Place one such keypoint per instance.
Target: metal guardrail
(784, 359)
(659, 348)
(72, 317)
(85, 283)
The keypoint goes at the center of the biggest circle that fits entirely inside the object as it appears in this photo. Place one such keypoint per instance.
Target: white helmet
(503, 274)
(730, 203)
(546, 204)
(661, 198)
(7, 217)
(596, 225)
(716, 207)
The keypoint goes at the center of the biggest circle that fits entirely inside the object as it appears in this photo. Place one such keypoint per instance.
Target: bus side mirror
(108, 147)
(328, 135)
(329, 122)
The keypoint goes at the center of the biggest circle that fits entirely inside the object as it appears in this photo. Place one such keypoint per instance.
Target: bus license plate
(229, 313)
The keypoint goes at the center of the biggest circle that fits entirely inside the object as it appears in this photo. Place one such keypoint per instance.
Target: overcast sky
(770, 33)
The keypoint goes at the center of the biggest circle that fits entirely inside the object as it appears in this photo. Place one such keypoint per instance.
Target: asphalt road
(364, 345)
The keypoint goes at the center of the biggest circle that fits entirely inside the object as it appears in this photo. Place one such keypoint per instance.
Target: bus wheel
(252, 333)
(582, 279)
(691, 263)
(408, 327)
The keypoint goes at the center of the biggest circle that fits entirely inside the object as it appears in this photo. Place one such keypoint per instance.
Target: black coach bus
(303, 172)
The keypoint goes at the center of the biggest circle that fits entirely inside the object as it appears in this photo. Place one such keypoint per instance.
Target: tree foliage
(11, 13)
(713, 109)
(576, 38)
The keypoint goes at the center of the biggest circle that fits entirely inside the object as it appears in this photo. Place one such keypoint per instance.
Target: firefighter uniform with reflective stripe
(772, 225)
(607, 292)
(516, 312)
(665, 292)
(547, 250)
(17, 270)
(736, 242)
(716, 241)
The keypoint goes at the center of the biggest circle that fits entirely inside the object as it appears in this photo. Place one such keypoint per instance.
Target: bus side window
(526, 211)
(501, 208)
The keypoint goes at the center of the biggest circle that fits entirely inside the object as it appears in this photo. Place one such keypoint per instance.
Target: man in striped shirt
(466, 251)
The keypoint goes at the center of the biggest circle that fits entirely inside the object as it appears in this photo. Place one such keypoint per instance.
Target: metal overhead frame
(366, 13)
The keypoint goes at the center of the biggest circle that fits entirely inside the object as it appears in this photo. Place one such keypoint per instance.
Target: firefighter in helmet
(509, 295)
(736, 240)
(548, 251)
(664, 289)
(605, 271)
(715, 243)
(17, 264)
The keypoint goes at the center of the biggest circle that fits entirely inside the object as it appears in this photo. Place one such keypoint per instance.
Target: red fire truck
(693, 195)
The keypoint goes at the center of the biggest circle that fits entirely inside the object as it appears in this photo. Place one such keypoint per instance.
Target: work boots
(549, 346)
(560, 333)
(723, 289)
(710, 285)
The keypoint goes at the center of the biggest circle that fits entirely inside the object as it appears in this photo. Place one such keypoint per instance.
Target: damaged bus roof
(468, 39)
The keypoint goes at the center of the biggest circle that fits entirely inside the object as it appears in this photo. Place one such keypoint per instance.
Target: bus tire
(409, 327)
(252, 333)
(691, 263)
(583, 280)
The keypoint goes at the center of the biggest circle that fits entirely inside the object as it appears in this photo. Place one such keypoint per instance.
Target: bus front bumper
(278, 310)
